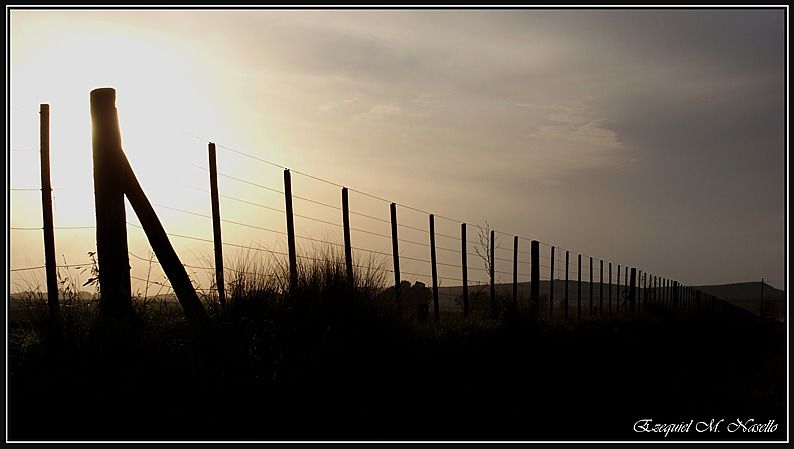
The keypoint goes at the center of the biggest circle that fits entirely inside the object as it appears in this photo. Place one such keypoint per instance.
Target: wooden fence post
(47, 219)
(632, 290)
(618, 292)
(591, 286)
(113, 178)
(493, 281)
(433, 269)
(111, 216)
(626, 287)
(551, 284)
(464, 269)
(515, 272)
(395, 250)
(567, 264)
(609, 306)
(216, 225)
(579, 289)
(293, 255)
(346, 233)
(601, 287)
(534, 286)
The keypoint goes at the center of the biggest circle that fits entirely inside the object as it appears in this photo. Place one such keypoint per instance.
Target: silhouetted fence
(542, 279)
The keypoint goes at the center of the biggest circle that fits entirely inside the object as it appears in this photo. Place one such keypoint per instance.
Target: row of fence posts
(632, 288)
(113, 179)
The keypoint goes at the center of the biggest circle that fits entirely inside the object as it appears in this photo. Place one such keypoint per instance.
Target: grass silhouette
(334, 359)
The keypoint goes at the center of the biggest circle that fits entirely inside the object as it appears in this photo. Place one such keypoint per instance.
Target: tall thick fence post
(216, 225)
(433, 269)
(601, 287)
(346, 233)
(534, 286)
(633, 290)
(515, 272)
(591, 286)
(46, 211)
(609, 304)
(464, 269)
(110, 162)
(491, 269)
(551, 284)
(395, 250)
(293, 255)
(579, 289)
(111, 216)
(567, 264)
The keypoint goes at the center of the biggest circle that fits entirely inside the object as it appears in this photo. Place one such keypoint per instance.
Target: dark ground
(248, 379)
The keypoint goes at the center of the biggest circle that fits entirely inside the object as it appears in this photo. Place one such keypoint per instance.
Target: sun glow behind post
(166, 101)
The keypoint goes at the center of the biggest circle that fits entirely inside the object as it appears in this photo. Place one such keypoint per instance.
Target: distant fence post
(632, 290)
(47, 219)
(601, 287)
(395, 250)
(534, 286)
(111, 215)
(579, 289)
(515, 272)
(618, 291)
(346, 233)
(567, 264)
(434, 271)
(626, 288)
(464, 269)
(491, 268)
(591, 285)
(293, 256)
(551, 284)
(609, 304)
(216, 225)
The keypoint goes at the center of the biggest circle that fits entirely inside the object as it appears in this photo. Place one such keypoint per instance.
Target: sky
(649, 138)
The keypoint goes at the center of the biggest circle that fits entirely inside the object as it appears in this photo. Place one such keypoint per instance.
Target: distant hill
(747, 295)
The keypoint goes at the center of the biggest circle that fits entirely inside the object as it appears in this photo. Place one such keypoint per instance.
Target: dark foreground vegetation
(331, 361)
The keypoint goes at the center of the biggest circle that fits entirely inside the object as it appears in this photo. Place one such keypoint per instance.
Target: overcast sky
(653, 138)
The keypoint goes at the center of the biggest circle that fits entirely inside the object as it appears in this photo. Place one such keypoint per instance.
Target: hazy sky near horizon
(654, 138)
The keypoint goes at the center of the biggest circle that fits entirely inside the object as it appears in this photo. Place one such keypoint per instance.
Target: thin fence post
(609, 304)
(640, 290)
(491, 269)
(464, 269)
(619, 293)
(346, 234)
(515, 272)
(632, 290)
(567, 264)
(111, 215)
(395, 250)
(626, 288)
(601, 287)
(216, 225)
(551, 284)
(534, 287)
(433, 269)
(293, 256)
(579, 289)
(46, 210)
(591, 286)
